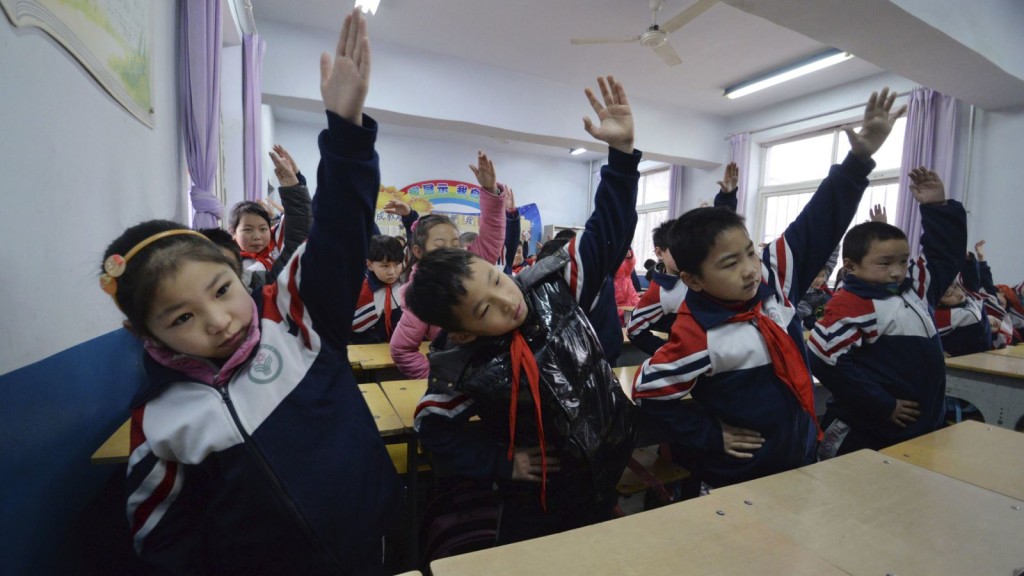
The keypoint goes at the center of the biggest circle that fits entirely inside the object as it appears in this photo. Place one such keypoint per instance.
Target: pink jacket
(625, 292)
(411, 331)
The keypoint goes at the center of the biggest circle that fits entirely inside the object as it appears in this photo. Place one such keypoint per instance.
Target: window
(652, 210)
(794, 168)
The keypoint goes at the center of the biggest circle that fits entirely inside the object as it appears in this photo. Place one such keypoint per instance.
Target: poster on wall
(531, 226)
(110, 38)
(458, 200)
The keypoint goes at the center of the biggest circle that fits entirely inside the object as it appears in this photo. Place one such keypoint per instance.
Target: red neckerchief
(784, 353)
(263, 257)
(387, 310)
(522, 359)
(1011, 298)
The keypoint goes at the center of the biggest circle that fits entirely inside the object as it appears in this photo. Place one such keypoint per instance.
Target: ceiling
(721, 47)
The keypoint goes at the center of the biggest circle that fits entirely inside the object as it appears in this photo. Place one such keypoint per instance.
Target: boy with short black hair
(379, 307)
(556, 426)
(737, 343)
(877, 348)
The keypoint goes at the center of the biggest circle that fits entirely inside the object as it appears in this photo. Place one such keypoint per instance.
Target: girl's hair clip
(115, 264)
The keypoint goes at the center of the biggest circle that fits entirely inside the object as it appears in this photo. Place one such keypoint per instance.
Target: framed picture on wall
(110, 38)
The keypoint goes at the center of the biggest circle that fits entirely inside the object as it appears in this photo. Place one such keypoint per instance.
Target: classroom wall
(78, 169)
(558, 187)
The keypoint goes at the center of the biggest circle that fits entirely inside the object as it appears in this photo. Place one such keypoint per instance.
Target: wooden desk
(115, 449)
(375, 356)
(868, 513)
(405, 397)
(685, 538)
(977, 453)
(388, 422)
(992, 382)
(1013, 351)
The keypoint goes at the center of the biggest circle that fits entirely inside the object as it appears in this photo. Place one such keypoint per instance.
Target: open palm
(345, 81)
(614, 116)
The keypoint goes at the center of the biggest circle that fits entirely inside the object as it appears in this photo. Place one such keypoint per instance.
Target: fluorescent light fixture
(368, 6)
(577, 151)
(819, 62)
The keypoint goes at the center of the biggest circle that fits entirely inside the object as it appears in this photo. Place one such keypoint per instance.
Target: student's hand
(270, 206)
(906, 412)
(616, 127)
(510, 200)
(876, 126)
(396, 206)
(286, 157)
(730, 179)
(978, 249)
(740, 442)
(283, 170)
(926, 186)
(527, 466)
(877, 214)
(345, 81)
(484, 172)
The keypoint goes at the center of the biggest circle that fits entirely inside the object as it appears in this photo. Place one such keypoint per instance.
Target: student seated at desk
(877, 348)
(379, 307)
(252, 450)
(737, 343)
(520, 353)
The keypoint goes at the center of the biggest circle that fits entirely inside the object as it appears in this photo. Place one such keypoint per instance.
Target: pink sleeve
(405, 346)
(490, 244)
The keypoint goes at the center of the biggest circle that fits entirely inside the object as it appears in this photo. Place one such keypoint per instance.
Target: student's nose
(217, 321)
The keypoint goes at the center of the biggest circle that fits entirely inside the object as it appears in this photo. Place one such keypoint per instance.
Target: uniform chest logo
(266, 366)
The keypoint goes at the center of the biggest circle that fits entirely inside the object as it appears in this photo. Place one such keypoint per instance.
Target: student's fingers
(351, 33)
(742, 455)
(872, 100)
(886, 99)
(909, 404)
(476, 171)
(620, 94)
(593, 101)
(903, 110)
(606, 94)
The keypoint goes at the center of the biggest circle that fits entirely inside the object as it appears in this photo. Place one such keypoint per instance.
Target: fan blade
(681, 19)
(604, 40)
(668, 54)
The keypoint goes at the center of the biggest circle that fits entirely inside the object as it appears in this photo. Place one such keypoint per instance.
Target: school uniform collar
(202, 369)
(875, 290)
(710, 312)
(373, 281)
(665, 281)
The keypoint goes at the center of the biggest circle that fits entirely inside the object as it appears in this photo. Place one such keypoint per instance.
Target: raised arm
(943, 236)
(490, 243)
(728, 187)
(333, 258)
(597, 252)
(808, 241)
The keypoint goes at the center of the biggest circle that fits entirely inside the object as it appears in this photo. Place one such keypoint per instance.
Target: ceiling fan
(656, 37)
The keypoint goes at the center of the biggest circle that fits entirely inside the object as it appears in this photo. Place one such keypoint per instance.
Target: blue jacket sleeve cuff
(622, 162)
(856, 167)
(351, 141)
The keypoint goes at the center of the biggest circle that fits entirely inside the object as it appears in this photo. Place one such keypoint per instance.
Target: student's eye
(484, 313)
(223, 289)
(182, 319)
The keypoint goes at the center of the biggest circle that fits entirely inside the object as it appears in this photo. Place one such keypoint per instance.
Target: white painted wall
(558, 187)
(480, 98)
(78, 169)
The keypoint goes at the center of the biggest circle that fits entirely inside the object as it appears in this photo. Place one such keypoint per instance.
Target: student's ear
(848, 264)
(461, 337)
(417, 251)
(369, 264)
(692, 281)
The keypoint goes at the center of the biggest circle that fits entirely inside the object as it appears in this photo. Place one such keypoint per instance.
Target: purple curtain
(929, 142)
(252, 96)
(675, 191)
(739, 150)
(199, 82)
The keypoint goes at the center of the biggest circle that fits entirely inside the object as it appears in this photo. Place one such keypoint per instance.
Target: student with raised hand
(252, 449)
(977, 278)
(435, 231)
(737, 345)
(877, 348)
(556, 427)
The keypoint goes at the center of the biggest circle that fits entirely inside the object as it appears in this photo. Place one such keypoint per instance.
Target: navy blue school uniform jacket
(964, 328)
(726, 368)
(586, 416)
(656, 311)
(878, 343)
(371, 323)
(272, 462)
